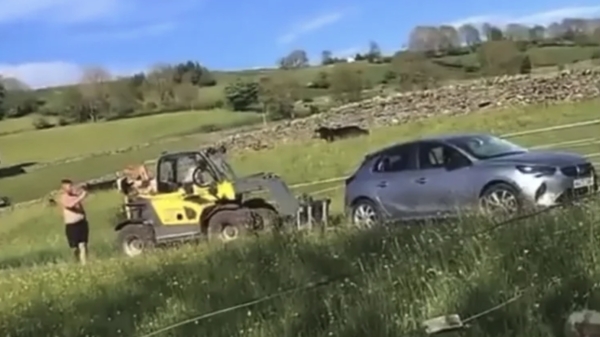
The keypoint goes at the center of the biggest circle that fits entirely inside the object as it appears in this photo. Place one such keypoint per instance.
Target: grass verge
(386, 283)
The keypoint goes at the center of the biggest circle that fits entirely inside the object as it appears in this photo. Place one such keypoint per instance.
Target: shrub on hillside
(241, 94)
(526, 65)
(347, 84)
(501, 58)
(41, 123)
(321, 81)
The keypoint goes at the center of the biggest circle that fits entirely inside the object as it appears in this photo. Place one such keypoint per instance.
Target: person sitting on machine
(196, 174)
(139, 178)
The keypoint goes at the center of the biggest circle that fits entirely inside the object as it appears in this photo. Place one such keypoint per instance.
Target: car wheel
(228, 225)
(134, 240)
(501, 200)
(365, 214)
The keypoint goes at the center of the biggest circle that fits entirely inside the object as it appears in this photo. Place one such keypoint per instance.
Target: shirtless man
(76, 225)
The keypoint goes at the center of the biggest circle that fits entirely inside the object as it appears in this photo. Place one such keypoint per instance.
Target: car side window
(436, 155)
(395, 160)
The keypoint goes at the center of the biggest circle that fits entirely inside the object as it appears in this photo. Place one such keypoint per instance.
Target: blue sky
(46, 42)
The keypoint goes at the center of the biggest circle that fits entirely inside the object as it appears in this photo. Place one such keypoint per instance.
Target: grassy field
(406, 275)
(296, 163)
(16, 125)
(384, 283)
(78, 140)
(319, 160)
(542, 58)
(377, 283)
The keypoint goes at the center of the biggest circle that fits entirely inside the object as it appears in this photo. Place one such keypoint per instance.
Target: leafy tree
(492, 33)
(279, 95)
(241, 94)
(346, 83)
(414, 71)
(19, 103)
(537, 33)
(326, 57)
(526, 65)
(374, 54)
(72, 105)
(159, 85)
(296, 59)
(94, 88)
(469, 35)
(122, 100)
(41, 123)
(500, 58)
(187, 95)
(449, 38)
(192, 72)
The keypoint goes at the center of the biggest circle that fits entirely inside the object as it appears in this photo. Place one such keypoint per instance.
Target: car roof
(436, 138)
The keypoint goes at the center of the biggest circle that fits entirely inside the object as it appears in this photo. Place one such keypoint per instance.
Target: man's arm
(69, 201)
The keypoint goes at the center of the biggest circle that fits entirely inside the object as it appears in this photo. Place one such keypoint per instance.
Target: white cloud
(312, 24)
(540, 18)
(54, 73)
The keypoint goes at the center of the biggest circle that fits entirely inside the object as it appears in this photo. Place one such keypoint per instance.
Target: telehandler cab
(215, 204)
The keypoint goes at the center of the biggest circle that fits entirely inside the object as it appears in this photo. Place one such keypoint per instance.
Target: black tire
(514, 205)
(228, 225)
(268, 219)
(134, 240)
(366, 209)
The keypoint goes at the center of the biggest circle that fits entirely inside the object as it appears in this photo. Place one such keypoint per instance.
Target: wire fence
(342, 277)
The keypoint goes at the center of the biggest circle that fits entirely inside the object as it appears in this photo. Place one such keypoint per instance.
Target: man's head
(66, 185)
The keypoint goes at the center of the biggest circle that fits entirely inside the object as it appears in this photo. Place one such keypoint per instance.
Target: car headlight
(535, 169)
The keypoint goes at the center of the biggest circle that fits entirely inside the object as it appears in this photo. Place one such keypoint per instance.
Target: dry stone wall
(456, 99)
(466, 97)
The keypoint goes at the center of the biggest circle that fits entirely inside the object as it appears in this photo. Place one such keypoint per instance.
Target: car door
(443, 179)
(393, 175)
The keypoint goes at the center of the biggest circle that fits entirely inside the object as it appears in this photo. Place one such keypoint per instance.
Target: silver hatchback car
(442, 176)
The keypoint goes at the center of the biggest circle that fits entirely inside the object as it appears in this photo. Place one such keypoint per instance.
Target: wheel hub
(229, 233)
(133, 247)
(500, 201)
(364, 216)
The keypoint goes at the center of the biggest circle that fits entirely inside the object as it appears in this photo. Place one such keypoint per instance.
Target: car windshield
(486, 146)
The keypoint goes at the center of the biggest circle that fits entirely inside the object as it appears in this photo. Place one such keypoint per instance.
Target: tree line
(99, 95)
(102, 96)
(444, 40)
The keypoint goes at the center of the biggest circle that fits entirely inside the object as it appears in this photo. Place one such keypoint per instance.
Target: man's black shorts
(77, 233)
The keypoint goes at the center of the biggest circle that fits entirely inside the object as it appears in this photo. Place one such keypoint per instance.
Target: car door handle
(421, 180)
(382, 184)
